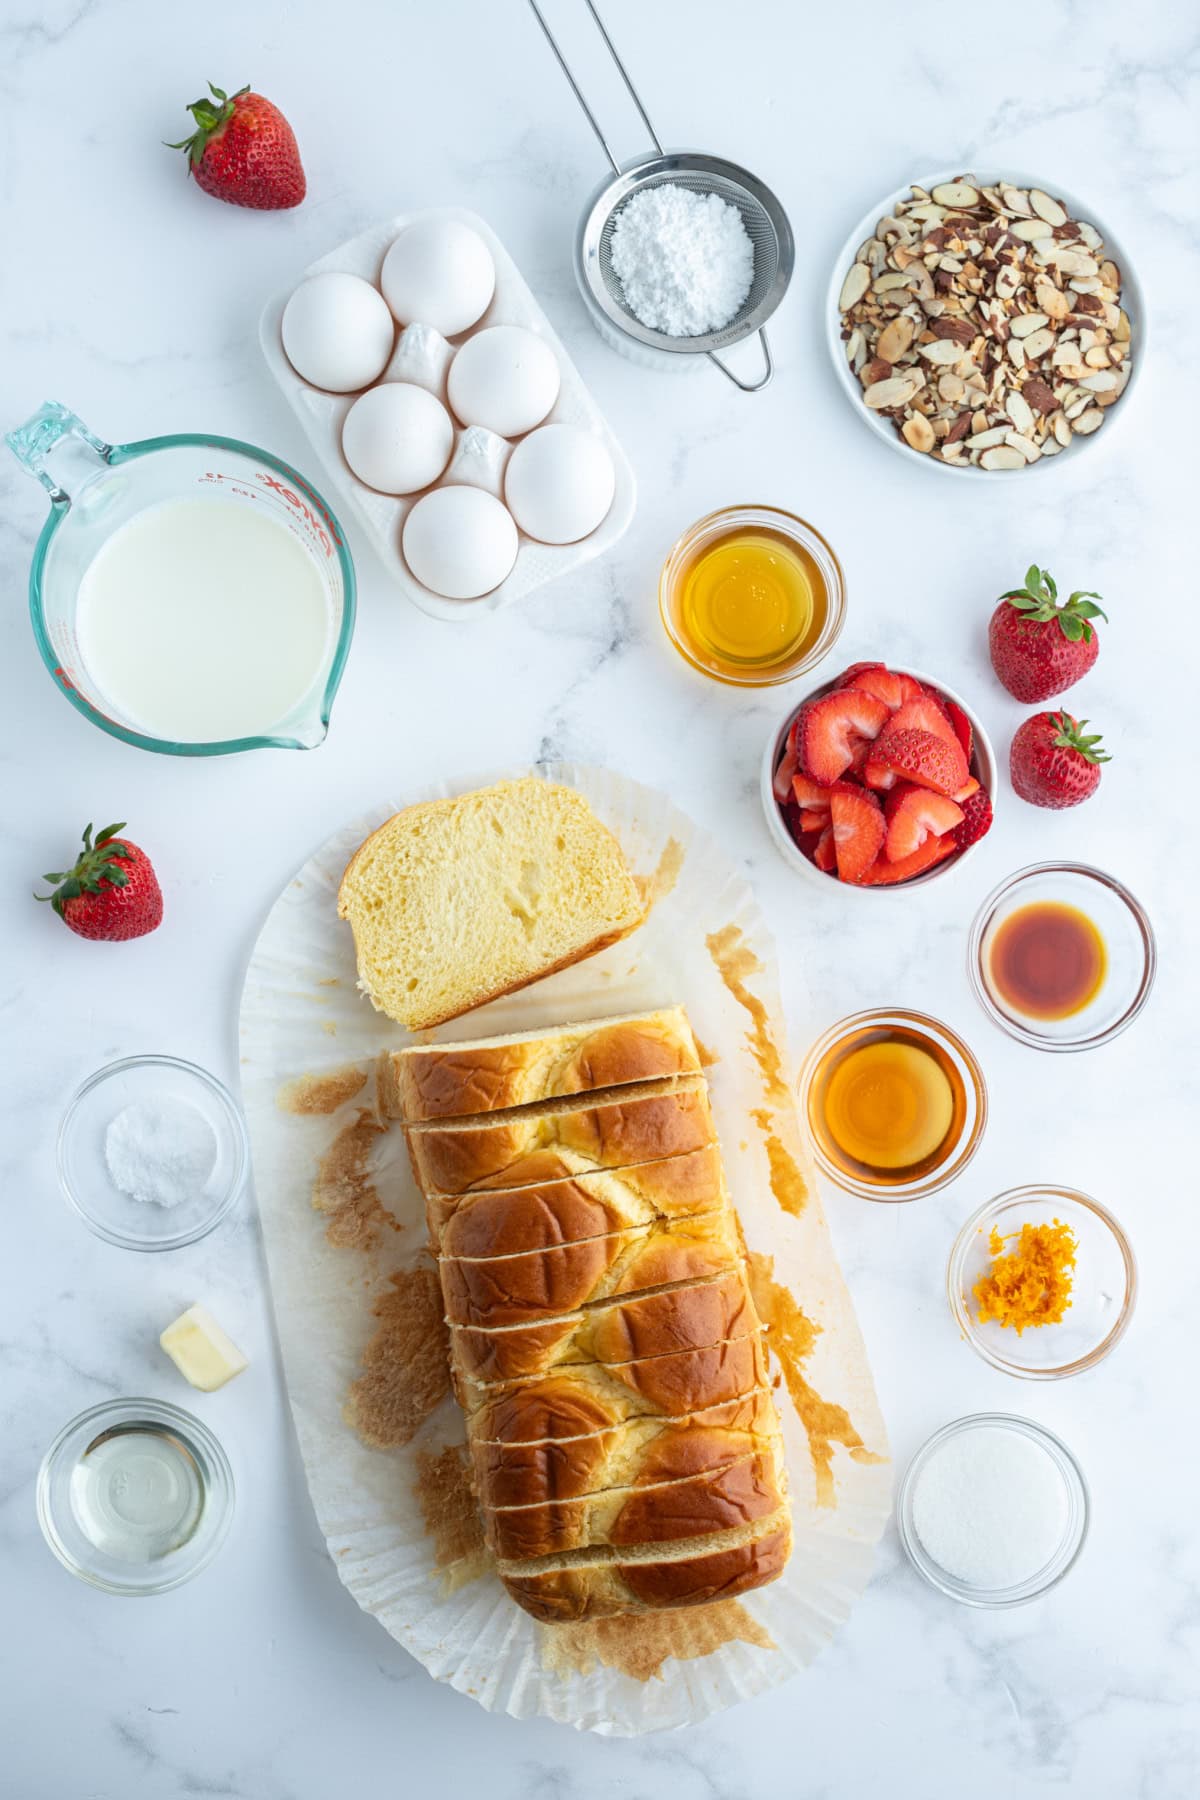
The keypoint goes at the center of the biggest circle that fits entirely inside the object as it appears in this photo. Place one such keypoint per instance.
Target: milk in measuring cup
(202, 620)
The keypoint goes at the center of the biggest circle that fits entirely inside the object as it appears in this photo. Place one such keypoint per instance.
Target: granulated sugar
(684, 260)
(990, 1507)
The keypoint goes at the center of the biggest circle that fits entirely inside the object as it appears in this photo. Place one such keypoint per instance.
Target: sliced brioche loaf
(455, 902)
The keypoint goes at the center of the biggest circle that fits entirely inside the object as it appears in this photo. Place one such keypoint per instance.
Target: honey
(1046, 960)
(887, 1105)
(748, 602)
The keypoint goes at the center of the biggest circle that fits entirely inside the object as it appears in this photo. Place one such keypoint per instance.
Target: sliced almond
(1019, 411)
(1026, 323)
(1016, 200)
(951, 387)
(1038, 396)
(895, 339)
(897, 390)
(1088, 422)
(1061, 429)
(1030, 231)
(1037, 343)
(858, 280)
(956, 194)
(982, 440)
(942, 351)
(1022, 445)
(1002, 456)
(1102, 382)
(918, 433)
(1046, 208)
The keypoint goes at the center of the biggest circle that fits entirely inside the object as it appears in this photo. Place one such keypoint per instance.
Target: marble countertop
(133, 298)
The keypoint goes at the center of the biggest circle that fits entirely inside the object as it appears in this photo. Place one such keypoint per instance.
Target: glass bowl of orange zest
(1042, 1282)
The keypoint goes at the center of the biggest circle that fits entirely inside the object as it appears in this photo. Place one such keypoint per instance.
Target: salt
(684, 260)
(160, 1155)
(990, 1507)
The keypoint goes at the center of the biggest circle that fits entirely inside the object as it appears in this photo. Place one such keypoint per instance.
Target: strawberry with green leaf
(1038, 646)
(111, 893)
(1053, 762)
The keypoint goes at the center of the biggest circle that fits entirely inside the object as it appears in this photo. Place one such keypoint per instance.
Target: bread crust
(680, 1382)
(434, 1081)
(607, 1131)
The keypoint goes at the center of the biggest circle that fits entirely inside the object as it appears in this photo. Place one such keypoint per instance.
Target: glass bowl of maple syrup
(1098, 1305)
(1062, 956)
(752, 596)
(896, 1104)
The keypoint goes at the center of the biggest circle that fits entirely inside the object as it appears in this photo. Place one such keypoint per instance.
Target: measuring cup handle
(32, 442)
(748, 387)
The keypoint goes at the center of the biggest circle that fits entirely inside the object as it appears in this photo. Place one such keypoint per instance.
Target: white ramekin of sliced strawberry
(882, 778)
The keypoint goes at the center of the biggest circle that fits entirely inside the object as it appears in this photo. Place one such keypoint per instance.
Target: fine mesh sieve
(763, 217)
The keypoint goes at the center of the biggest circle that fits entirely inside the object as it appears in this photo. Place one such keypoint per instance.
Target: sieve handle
(748, 387)
(622, 71)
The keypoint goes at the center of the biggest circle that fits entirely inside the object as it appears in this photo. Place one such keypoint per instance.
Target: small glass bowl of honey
(896, 1104)
(1062, 956)
(752, 596)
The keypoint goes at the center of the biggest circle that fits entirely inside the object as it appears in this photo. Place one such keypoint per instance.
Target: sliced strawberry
(914, 814)
(833, 728)
(858, 830)
(921, 756)
(933, 851)
(976, 819)
(806, 792)
(825, 855)
(814, 818)
(962, 727)
(970, 786)
(924, 714)
(785, 774)
(846, 678)
(888, 685)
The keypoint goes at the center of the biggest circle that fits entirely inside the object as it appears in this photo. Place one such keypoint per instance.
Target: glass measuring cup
(118, 481)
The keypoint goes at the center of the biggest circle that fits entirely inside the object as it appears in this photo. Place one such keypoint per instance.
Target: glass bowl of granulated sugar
(993, 1510)
(152, 1153)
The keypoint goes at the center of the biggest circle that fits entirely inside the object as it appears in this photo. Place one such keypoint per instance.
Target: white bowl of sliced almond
(985, 328)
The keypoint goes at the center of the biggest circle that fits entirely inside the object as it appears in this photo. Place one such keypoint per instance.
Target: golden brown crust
(727, 1492)
(593, 1591)
(669, 1386)
(515, 1290)
(622, 1331)
(434, 1081)
(649, 1450)
(550, 1204)
(611, 1131)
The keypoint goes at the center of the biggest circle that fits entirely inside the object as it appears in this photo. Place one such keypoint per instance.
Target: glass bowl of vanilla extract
(1062, 956)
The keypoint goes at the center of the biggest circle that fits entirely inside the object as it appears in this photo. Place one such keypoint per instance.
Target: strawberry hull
(807, 792)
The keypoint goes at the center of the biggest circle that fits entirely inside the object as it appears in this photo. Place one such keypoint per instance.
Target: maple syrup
(1046, 960)
(887, 1105)
(751, 595)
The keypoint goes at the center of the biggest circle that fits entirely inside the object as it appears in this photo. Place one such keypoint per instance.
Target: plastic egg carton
(382, 515)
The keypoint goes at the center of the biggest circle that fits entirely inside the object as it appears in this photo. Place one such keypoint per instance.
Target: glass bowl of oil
(135, 1496)
(1102, 1293)
(752, 596)
(1062, 956)
(896, 1104)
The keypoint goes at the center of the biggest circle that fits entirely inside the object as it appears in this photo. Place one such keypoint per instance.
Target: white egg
(440, 272)
(337, 332)
(460, 542)
(559, 484)
(478, 460)
(397, 438)
(505, 378)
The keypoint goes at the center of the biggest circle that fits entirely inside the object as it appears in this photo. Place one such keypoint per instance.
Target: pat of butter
(201, 1351)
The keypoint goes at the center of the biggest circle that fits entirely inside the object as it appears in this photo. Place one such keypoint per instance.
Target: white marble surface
(133, 298)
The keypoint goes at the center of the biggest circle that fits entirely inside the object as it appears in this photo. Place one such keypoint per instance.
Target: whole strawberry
(1052, 763)
(111, 893)
(243, 150)
(1039, 648)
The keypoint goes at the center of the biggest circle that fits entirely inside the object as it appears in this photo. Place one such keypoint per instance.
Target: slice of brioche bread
(455, 902)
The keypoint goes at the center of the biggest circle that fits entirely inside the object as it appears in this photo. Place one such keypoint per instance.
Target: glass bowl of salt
(152, 1153)
(993, 1510)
